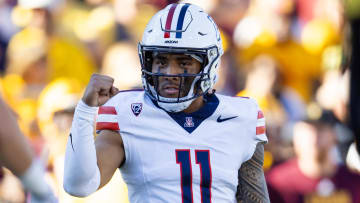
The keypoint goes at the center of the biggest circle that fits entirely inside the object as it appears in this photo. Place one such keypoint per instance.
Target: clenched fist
(99, 90)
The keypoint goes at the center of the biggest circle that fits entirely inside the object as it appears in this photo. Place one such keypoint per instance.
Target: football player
(17, 156)
(175, 140)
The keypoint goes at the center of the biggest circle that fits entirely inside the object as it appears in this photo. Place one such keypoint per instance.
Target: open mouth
(170, 89)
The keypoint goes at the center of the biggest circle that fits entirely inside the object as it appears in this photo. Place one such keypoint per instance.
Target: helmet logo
(136, 108)
(175, 23)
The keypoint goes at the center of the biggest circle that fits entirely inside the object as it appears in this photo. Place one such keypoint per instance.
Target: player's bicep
(252, 185)
(110, 154)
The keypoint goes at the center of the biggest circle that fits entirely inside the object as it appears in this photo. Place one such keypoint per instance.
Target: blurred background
(298, 58)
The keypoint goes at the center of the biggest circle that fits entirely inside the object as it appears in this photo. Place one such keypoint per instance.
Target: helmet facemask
(191, 86)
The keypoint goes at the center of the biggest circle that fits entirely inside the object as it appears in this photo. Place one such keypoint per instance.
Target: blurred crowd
(290, 55)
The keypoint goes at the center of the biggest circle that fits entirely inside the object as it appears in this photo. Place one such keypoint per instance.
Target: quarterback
(175, 140)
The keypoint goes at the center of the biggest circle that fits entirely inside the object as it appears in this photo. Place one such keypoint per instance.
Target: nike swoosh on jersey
(219, 119)
(202, 34)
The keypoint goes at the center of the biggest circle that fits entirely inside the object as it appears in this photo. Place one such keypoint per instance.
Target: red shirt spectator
(315, 175)
(288, 184)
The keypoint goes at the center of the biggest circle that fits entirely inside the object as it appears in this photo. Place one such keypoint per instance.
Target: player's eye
(160, 62)
(185, 63)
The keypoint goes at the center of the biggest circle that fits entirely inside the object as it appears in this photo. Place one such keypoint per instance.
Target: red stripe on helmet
(169, 20)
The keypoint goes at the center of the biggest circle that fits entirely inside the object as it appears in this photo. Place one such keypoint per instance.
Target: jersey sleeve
(258, 130)
(260, 127)
(107, 119)
(111, 116)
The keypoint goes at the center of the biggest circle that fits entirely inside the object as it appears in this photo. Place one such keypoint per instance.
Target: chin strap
(175, 107)
(171, 104)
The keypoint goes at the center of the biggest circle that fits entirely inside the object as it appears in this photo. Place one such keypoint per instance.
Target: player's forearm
(17, 155)
(252, 185)
(81, 173)
(15, 152)
(13, 143)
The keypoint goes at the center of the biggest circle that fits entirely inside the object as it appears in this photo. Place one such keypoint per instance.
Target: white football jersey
(179, 157)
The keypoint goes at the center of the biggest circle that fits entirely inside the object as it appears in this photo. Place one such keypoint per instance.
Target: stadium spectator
(316, 174)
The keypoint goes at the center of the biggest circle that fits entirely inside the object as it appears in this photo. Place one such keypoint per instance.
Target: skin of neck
(195, 105)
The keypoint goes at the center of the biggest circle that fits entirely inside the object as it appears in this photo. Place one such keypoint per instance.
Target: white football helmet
(181, 29)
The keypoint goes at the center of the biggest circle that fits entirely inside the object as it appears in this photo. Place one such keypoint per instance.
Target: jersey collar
(190, 121)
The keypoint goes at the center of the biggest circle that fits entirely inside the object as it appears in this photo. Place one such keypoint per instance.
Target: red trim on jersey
(260, 130)
(181, 182)
(260, 115)
(201, 175)
(210, 184)
(169, 20)
(107, 110)
(107, 126)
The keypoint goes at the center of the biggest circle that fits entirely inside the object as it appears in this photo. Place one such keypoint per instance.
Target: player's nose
(173, 69)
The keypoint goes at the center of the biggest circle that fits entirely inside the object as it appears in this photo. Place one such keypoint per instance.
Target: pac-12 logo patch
(189, 122)
(136, 108)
